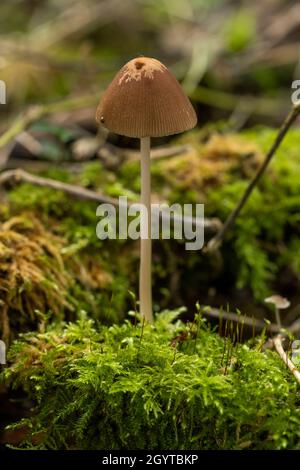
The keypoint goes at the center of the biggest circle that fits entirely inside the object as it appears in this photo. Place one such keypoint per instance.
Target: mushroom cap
(145, 100)
(278, 301)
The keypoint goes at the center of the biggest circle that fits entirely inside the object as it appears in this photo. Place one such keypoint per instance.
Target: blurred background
(236, 60)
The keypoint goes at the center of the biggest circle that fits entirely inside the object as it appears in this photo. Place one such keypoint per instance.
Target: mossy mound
(260, 254)
(32, 274)
(168, 385)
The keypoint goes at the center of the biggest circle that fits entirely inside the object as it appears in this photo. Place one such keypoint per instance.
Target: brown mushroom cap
(278, 301)
(145, 100)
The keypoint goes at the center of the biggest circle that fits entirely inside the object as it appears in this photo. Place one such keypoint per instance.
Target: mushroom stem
(277, 316)
(146, 249)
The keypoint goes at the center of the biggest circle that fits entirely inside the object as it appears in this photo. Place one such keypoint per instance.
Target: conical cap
(145, 100)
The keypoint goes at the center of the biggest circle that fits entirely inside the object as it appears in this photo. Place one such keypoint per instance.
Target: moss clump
(32, 274)
(162, 386)
(43, 275)
(216, 171)
(261, 246)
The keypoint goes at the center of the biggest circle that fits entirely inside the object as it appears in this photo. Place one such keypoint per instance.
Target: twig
(115, 152)
(243, 319)
(216, 241)
(159, 152)
(29, 143)
(278, 346)
(21, 176)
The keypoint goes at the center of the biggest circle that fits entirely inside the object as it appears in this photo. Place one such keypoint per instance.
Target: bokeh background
(236, 59)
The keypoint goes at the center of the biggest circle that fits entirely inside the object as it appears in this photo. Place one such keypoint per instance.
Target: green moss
(262, 240)
(49, 269)
(215, 171)
(162, 386)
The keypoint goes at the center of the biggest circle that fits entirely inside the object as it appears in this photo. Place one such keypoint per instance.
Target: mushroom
(145, 100)
(280, 303)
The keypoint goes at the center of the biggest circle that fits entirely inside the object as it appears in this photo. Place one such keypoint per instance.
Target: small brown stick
(116, 153)
(29, 142)
(21, 176)
(216, 241)
(278, 346)
(159, 152)
(243, 320)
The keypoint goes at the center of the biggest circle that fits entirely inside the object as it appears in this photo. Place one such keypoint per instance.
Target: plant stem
(146, 248)
(216, 241)
(277, 316)
(244, 320)
(278, 346)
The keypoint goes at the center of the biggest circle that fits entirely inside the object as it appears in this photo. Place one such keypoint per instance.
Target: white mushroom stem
(146, 248)
(277, 316)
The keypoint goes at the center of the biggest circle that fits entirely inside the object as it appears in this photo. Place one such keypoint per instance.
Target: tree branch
(21, 176)
(252, 322)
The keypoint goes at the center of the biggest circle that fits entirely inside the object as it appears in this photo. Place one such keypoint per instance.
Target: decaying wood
(279, 348)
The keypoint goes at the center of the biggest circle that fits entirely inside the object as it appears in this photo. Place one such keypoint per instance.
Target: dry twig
(19, 176)
(243, 319)
(278, 346)
(159, 152)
